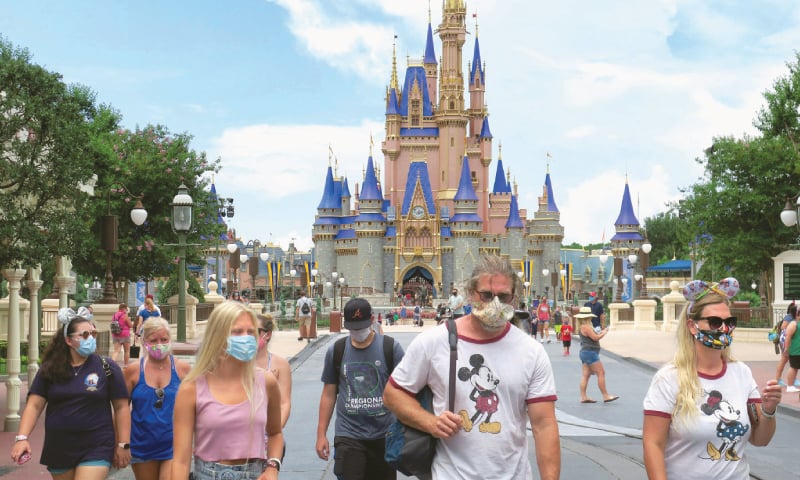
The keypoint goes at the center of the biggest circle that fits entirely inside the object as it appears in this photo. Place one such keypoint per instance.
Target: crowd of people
(224, 416)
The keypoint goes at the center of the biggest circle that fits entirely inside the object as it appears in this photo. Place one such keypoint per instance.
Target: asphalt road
(598, 441)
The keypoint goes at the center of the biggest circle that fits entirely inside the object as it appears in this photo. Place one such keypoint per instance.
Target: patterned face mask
(716, 339)
(493, 315)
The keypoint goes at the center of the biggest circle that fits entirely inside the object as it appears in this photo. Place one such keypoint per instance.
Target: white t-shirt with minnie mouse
(495, 382)
(712, 444)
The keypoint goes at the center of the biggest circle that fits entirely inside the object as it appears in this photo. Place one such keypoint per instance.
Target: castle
(421, 231)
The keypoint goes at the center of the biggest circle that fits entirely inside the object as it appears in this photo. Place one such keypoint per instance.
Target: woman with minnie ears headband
(226, 405)
(153, 382)
(703, 408)
(82, 439)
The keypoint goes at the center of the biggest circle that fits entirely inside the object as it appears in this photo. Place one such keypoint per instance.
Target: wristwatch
(20, 438)
(124, 446)
(274, 463)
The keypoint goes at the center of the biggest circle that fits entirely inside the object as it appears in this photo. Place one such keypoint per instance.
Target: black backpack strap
(388, 353)
(338, 354)
(452, 339)
(106, 367)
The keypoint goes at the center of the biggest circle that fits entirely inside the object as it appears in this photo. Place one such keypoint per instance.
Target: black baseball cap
(357, 314)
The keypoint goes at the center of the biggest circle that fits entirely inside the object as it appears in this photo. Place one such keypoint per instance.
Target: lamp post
(644, 263)
(545, 274)
(242, 262)
(335, 277)
(618, 274)
(264, 256)
(225, 210)
(341, 288)
(109, 225)
(527, 285)
(233, 264)
(253, 246)
(632, 259)
(181, 223)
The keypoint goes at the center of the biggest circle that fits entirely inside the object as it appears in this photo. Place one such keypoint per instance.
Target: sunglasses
(503, 297)
(85, 334)
(715, 323)
(262, 331)
(160, 397)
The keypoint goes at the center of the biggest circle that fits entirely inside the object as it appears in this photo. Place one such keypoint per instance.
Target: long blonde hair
(685, 360)
(215, 344)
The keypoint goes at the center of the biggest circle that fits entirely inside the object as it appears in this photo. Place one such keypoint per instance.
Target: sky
(614, 91)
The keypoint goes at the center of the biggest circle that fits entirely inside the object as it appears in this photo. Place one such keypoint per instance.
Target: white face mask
(361, 334)
(493, 315)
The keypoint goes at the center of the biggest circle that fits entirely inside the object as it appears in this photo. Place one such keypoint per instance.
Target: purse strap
(452, 337)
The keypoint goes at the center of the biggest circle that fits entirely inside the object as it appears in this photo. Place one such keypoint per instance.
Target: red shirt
(566, 332)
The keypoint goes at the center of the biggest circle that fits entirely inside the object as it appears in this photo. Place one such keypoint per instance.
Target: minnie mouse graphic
(729, 428)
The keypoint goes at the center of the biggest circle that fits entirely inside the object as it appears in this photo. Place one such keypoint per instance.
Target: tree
(150, 164)
(744, 188)
(46, 155)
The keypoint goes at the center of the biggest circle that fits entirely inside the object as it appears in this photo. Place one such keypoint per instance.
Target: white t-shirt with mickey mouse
(495, 382)
(712, 444)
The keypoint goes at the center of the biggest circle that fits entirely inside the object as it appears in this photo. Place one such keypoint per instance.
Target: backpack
(116, 328)
(305, 309)
(338, 353)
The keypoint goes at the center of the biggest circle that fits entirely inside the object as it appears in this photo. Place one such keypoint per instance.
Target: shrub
(170, 288)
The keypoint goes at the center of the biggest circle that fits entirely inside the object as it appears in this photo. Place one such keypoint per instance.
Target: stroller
(443, 313)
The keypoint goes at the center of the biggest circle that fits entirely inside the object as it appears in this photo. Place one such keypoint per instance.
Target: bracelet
(274, 463)
(20, 438)
(768, 415)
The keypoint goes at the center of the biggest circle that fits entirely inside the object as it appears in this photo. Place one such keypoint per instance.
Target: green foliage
(46, 154)
(664, 232)
(170, 288)
(149, 164)
(746, 183)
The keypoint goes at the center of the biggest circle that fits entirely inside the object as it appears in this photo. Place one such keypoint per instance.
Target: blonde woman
(149, 310)
(274, 363)
(225, 405)
(153, 382)
(704, 407)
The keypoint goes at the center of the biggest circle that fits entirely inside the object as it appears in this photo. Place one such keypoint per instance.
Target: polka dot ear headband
(697, 289)
(66, 315)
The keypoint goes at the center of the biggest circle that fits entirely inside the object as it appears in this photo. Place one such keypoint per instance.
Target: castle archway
(418, 286)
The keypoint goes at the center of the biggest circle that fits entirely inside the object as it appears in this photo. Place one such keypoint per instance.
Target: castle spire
(393, 83)
(514, 220)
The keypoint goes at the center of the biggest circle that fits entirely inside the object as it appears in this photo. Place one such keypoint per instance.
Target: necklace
(77, 369)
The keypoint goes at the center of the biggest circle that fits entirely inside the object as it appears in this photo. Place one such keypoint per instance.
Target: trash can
(336, 321)
(313, 329)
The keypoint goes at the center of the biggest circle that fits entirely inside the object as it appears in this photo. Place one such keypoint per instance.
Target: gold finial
(393, 82)
(371, 144)
(212, 179)
(429, 11)
(548, 161)
(475, 16)
(508, 176)
(500, 151)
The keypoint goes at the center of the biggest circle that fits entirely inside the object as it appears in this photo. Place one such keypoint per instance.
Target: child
(566, 334)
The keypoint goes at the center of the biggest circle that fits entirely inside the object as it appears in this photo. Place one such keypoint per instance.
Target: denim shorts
(216, 471)
(589, 357)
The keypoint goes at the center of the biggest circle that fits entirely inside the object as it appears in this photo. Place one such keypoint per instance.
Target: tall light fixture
(109, 227)
(334, 276)
(644, 264)
(233, 263)
(264, 256)
(181, 221)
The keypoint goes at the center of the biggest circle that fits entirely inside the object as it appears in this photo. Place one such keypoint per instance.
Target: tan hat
(586, 312)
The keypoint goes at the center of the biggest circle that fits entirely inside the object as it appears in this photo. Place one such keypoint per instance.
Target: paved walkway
(648, 348)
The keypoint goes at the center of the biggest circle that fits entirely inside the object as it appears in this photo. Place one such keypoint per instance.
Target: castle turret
(429, 60)
(466, 227)
(370, 229)
(627, 238)
(477, 90)
(545, 230)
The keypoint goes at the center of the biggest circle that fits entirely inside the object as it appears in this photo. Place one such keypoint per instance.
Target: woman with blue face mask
(79, 388)
(226, 404)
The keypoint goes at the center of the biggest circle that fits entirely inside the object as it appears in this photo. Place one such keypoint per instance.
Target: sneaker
(781, 382)
(548, 340)
(792, 389)
(541, 340)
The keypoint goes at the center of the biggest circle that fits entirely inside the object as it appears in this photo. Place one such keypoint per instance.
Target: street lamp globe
(603, 257)
(753, 285)
(181, 210)
(314, 272)
(139, 214)
(632, 258)
(243, 258)
(545, 272)
(264, 256)
(789, 215)
(232, 247)
(646, 247)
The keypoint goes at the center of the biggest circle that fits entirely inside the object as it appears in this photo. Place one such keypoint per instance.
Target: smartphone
(24, 458)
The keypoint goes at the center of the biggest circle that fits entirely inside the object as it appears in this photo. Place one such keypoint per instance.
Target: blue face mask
(242, 347)
(88, 347)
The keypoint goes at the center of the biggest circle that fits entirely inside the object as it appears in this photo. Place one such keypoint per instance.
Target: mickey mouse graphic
(729, 428)
(483, 394)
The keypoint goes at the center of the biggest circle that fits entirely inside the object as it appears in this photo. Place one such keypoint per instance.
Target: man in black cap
(599, 320)
(354, 375)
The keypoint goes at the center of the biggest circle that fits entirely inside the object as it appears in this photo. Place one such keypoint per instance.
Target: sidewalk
(650, 349)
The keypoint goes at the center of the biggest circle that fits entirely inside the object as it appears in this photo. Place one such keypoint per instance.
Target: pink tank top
(228, 432)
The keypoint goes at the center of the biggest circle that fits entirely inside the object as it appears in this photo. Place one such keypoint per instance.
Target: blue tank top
(151, 427)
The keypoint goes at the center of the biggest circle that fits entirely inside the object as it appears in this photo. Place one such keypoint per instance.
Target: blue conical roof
(329, 197)
(476, 64)
(551, 199)
(626, 215)
(500, 184)
(465, 189)
(485, 132)
(392, 108)
(430, 53)
(345, 188)
(514, 220)
(369, 190)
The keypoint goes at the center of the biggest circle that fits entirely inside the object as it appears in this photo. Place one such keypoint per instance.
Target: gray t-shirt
(360, 412)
